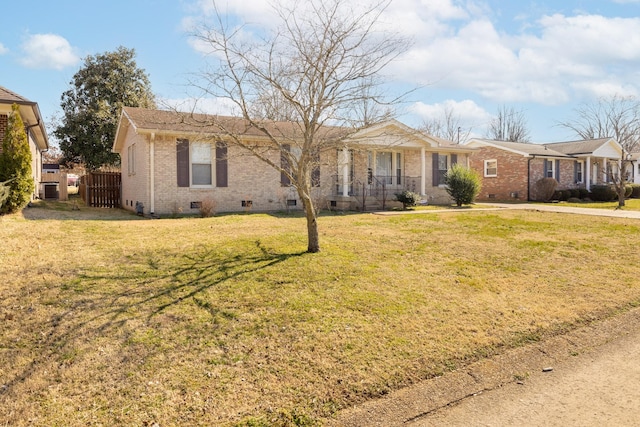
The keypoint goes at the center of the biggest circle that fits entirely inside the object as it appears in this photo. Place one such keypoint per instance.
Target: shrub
(574, 200)
(635, 191)
(15, 165)
(575, 193)
(463, 184)
(628, 189)
(407, 198)
(545, 188)
(603, 193)
(207, 207)
(562, 195)
(583, 193)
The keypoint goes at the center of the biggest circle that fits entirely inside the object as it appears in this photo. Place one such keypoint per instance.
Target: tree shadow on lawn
(150, 295)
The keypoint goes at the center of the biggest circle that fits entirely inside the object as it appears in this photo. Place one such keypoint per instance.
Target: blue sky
(543, 57)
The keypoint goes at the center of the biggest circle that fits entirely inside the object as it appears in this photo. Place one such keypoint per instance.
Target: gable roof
(30, 115)
(147, 121)
(521, 148)
(586, 146)
(144, 120)
(392, 133)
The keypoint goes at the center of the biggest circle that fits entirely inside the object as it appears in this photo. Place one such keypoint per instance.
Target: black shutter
(545, 168)
(435, 172)
(221, 165)
(558, 170)
(454, 159)
(284, 164)
(182, 157)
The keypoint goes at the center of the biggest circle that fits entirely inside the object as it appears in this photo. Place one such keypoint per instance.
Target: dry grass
(630, 205)
(226, 321)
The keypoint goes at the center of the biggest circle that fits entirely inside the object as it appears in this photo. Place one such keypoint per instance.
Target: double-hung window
(491, 168)
(195, 164)
(201, 167)
(579, 171)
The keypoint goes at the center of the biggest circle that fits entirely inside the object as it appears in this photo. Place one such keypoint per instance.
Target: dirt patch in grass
(226, 321)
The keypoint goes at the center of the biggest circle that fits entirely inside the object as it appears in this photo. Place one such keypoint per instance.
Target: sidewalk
(540, 207)
(587, 377)
(555, 207)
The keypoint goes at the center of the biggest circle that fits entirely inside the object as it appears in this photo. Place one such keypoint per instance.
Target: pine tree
(15, 164)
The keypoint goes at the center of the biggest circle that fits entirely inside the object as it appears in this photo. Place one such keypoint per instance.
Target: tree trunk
(621, 192)
(313, 245)
(312, 231)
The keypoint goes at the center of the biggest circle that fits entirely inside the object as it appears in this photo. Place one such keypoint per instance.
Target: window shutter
(435, 171)
(576, 165)
(558, 171)
(221, 165)
(182, 158)
(454, 159)
(284, 164)
(545, 168)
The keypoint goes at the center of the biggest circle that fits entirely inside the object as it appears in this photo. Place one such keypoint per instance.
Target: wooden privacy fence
(101, 189)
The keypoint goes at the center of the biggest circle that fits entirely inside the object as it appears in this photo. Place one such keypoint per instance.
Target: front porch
(374, 192)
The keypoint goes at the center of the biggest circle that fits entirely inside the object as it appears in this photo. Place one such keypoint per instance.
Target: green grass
(114, 320)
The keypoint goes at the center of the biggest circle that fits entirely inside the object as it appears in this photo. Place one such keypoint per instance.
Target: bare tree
(448, 126)
(320, 68)
(509, 125)
(615, 117)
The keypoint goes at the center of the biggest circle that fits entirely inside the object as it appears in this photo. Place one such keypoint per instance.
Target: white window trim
(488, 175)
(553, 169)
(582, 171)
(211, 159)
(441, 184)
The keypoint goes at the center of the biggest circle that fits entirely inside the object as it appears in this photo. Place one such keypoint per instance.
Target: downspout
(152, 179)
(529, 177)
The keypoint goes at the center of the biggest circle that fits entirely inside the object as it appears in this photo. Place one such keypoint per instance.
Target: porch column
(588, 174)
(423, 172)
(345, 172)
(605, 170)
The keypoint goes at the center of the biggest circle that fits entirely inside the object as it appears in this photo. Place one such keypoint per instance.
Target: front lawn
(630, 204)
(116, 320)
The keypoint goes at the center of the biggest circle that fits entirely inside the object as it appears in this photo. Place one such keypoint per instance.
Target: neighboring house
(34, 127)
(54, 183)
(635, 168)
(510, 170)
(171, 164)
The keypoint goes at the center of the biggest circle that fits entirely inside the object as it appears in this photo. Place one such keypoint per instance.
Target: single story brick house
(509, 170)
(171, 164)
(34, 127)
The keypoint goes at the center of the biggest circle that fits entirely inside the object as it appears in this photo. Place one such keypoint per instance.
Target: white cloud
(547, 63)
(221, 106)
(548, 59)
(48, 51)
(3, 49)
(470, 113)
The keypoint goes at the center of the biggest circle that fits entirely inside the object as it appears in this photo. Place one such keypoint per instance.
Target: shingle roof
(171, 121)
(578, 147)
(176, 123)
(30, 114)
(9, 97)
(525, 148)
